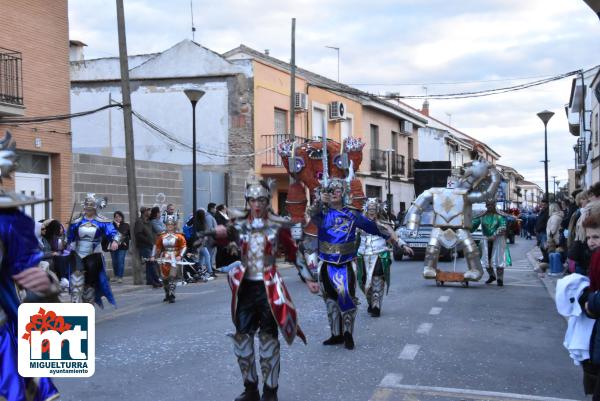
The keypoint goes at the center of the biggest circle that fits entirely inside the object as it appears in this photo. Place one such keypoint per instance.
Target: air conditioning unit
(337, 111)
(300, 101)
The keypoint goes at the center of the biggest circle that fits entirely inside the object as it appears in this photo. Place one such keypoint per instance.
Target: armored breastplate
(169, 241)
(259, 241)
(372, 244)
(87, 235)
(450, 208)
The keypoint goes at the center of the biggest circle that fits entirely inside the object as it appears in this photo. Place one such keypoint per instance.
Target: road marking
(435, 310)
(449, 289)
(451, 393)
(409, 352)
(424, 328)
(391, 380)
(443, 298)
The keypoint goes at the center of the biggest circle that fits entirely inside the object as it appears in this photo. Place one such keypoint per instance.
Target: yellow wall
(325, 97)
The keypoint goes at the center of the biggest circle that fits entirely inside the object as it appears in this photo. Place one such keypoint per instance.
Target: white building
(442, 142)
(582, 114)
(157, 84)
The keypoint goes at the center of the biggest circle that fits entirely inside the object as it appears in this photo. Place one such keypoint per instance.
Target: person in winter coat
(553, 227)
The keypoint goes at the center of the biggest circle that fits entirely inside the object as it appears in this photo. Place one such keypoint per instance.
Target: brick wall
(158, 184)
(39, 30)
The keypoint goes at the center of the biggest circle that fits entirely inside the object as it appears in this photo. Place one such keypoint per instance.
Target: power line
(450, 83)
(458, 95)
(58, 117)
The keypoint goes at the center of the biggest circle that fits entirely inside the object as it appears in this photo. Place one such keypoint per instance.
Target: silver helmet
(258, 188)
(93, 202)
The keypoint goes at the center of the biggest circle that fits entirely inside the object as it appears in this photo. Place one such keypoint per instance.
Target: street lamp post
(554, 186)
(389, 180)
(545, 116)
(194, 95)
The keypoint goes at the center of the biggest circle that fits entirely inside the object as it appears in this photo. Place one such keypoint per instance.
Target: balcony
(397, 164)
(378, 161)
(11, 83)
(271, 159)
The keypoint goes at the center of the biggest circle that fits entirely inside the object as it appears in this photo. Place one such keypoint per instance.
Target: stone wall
(158, 184)
(241, 137)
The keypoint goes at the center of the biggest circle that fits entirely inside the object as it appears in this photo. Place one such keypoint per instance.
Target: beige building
(326, 106)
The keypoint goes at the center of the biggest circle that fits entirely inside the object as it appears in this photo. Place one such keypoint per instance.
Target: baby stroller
(196, 272)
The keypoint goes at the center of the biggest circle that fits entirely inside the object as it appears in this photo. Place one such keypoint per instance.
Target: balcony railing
(11, 77)
(271, 157)
(378, 160)
(411, 168)
(397, 164)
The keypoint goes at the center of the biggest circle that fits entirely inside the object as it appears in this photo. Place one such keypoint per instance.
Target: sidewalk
(548, 280)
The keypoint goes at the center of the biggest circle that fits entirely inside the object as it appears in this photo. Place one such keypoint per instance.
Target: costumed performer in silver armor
(493, 245)
(260, 300)
(170, 247)
(337, 223)
(452, 216)
(89, 282)
(22, 279)
(374, 260)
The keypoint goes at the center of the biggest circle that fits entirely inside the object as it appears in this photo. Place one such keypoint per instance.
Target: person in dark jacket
(118, 256)
(144, 238)
(540, 233)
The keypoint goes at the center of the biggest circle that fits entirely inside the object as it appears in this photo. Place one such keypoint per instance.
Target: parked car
(419, 243)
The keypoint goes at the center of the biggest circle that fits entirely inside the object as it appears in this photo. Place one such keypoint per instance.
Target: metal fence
(11, 77)
(397, 164)
(378, 160)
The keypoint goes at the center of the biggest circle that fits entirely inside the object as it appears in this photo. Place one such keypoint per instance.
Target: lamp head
(545, 116)
(194, 94)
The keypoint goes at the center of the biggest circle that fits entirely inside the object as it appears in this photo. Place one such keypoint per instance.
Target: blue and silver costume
(89, 281)
(337, 269)
(18, 251)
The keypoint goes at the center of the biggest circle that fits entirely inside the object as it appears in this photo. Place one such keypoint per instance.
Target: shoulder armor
(77, 220)
(102, 219)
(237, 213)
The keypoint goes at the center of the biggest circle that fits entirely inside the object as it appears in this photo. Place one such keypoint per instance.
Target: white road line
(449, 289)
(435, 310)
(443, 298)
(409, 352)
(467, 394)
(391, 380)
(424, 328)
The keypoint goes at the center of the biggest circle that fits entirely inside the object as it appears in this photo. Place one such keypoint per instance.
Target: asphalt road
(431, 343)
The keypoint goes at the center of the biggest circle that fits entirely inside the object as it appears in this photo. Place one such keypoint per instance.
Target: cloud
(393, 42)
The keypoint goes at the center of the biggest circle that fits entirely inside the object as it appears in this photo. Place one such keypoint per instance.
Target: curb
(548, 282)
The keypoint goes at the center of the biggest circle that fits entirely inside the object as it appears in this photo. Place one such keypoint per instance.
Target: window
(373, 191)
(346, 127)
(395, 141)
(33, 163)
(374, 136)
(318, 123)
(280, 122)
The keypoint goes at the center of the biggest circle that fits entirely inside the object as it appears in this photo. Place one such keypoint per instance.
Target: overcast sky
(396, 46)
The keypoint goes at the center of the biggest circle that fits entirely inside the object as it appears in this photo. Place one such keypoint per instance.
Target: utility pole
(129, 148)
(293, 84)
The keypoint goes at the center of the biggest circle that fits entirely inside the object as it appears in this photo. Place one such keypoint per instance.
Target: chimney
(425, 109)
(76, 50)
(267, 52)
